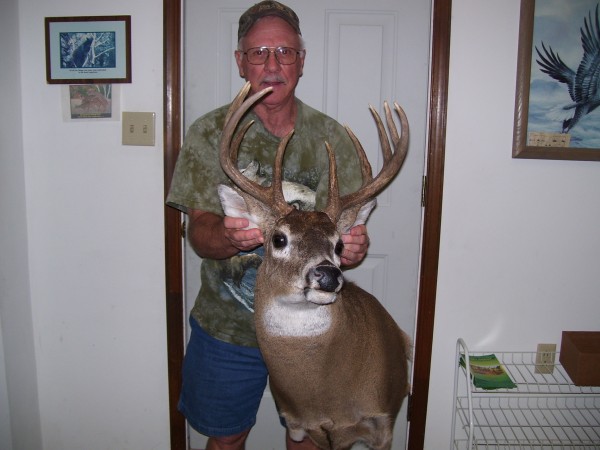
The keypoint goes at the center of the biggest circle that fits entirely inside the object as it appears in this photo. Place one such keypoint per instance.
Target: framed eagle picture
(557, 114)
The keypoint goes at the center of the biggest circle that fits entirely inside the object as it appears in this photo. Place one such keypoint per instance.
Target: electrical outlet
(138, 128)
(545, 358)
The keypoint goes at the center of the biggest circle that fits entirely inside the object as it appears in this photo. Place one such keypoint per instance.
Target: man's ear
(236, 204)
(302, 62)
(355, 216)
(239, 59)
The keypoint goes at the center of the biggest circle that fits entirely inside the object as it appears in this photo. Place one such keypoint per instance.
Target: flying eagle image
(583, 85)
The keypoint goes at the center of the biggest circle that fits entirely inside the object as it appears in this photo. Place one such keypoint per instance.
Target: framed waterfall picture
(81, 50)
(557, 114)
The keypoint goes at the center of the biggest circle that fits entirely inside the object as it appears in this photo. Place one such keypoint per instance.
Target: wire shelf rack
(545, 411)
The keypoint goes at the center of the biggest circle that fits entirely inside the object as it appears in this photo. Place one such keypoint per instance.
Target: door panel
(356, 55)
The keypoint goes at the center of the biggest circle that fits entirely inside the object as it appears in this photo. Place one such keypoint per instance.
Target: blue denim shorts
(222, 384)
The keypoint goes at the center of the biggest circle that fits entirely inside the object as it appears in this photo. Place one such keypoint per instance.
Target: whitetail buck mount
(337, 361)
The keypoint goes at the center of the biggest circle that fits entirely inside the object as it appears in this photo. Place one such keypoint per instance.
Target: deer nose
(328, 277)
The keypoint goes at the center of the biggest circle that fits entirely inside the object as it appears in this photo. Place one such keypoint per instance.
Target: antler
(229, 147)
(392, 162)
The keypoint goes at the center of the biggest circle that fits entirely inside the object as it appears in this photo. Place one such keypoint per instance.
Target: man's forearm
(206, 235)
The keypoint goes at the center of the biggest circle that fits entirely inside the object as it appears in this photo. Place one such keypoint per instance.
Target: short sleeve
(198, 171)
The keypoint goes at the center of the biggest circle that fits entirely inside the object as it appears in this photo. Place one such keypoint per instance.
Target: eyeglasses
(284, 55)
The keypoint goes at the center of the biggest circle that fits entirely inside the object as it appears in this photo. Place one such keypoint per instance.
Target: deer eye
(339, 247)
(279, 240)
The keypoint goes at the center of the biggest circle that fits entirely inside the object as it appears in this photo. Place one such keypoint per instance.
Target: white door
(358, 53)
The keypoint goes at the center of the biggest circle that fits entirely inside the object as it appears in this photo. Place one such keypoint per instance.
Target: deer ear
(355, 216)
(234, 205)
(246, 207)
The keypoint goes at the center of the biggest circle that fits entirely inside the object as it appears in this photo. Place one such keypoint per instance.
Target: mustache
(273, 79)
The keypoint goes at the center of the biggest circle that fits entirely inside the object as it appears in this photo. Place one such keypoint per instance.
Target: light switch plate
(138, 128)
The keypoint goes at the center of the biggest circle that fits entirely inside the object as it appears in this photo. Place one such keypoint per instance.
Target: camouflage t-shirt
(224, 306)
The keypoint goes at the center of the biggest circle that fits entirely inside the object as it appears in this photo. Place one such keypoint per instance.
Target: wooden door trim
(175, 308)
(172, 124)
(438, 103)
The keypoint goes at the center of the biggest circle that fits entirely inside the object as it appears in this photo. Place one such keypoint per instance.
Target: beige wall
(83, 303)
(520, 243)
(82, 299)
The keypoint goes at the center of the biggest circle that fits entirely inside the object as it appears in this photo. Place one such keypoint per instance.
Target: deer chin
(319, 297)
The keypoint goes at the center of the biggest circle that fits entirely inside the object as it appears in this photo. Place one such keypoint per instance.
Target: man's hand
(240, 238)
(216, 237)
(356, 244)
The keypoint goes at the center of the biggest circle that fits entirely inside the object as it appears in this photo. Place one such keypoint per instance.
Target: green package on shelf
(488, 373)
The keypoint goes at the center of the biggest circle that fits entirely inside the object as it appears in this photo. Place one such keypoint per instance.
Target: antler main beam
(394, 154)
(229, 147)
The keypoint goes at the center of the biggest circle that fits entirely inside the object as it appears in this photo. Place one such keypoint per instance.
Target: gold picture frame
(558, 92)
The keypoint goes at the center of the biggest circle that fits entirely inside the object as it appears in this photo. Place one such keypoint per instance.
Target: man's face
(271, 31)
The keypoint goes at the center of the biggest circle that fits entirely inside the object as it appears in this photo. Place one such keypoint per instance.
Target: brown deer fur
(337, 361)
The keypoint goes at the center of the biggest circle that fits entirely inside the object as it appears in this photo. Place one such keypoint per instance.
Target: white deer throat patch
(298, 319)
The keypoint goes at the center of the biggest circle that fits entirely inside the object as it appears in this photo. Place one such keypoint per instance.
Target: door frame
(432, 217)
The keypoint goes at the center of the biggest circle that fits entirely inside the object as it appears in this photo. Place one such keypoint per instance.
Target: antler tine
(333, 208)
(237, 140)
(383, 137)
(277, 199)
(237, 102)
(229, 147)
(365, 166)
(392, 161)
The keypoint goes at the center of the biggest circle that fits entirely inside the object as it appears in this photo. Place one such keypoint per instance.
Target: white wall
(82, 294)
(19, 410)
(82, 278)
(520, 243)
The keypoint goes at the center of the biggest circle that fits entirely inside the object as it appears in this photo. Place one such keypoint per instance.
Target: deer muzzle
(323, 281)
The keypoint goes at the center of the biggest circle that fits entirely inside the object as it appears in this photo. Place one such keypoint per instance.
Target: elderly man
(224, 375)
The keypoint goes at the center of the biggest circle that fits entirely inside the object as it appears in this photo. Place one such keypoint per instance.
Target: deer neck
(284, 311)
(287, 317)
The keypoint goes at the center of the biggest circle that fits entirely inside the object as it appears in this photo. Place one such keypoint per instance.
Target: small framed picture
(91, 102)
(81, 50)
